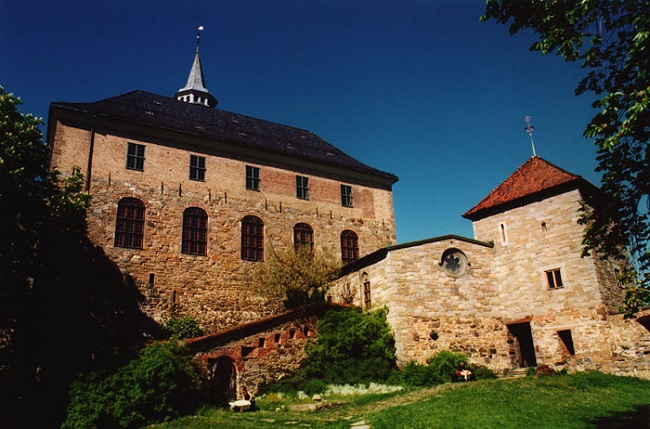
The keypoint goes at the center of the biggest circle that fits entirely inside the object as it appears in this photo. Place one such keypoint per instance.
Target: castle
(187, 198)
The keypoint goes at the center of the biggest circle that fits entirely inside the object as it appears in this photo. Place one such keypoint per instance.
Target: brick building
(519, 294)
(188, 198)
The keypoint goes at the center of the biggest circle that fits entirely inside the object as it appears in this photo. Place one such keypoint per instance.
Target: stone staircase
(514, 373)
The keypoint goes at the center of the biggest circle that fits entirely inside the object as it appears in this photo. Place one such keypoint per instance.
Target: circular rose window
(454, 262)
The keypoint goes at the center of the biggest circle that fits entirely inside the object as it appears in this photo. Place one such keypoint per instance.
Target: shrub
(414, 375)
(482, 372)
(161, 384)
(352, 347)
(183, 328)
(444, 363)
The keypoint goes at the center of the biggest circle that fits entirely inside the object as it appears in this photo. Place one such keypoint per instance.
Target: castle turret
(195, 91)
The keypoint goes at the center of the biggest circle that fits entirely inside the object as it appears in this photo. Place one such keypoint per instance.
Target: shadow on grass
(638, 418)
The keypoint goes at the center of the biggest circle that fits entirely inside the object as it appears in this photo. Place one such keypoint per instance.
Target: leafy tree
(610, 40)
(64, 307)
(299, 277)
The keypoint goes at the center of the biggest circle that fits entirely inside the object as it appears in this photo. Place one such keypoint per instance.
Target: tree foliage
(610, 39)
(298, 277)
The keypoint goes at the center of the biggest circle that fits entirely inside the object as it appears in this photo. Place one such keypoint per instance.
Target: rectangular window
(197, 168)
(346, 196)
(504, 237)
(554, 279)
(135, 157)
(367, 301)
(252, 178)
(302, 187)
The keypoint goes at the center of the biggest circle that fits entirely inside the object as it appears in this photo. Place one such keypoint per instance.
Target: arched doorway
(223, 380)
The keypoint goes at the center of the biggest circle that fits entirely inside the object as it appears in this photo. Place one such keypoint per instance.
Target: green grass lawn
(583, 400)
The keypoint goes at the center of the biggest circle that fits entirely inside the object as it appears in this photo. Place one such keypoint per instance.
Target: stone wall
(501, 306)
(262, 351)
(215, 289)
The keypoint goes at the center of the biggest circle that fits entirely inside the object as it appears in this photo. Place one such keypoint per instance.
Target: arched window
(349, 246)
(303, 236)
(367, 299)
(252, 239)
(195, 231)
(129, 227)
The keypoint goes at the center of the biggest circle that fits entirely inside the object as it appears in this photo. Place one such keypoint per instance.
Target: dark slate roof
(167, 113)
(535, 178)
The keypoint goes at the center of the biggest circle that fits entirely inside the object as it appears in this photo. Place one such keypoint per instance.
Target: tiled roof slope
(167, 113)
(535, 177)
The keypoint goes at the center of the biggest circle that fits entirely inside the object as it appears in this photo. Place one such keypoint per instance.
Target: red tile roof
(535, 176)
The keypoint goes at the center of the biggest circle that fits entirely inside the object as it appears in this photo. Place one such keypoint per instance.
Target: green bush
(482, 372)
(414, 375)
(352, 347)
(161, 384)
(183, 328)
(444, 363)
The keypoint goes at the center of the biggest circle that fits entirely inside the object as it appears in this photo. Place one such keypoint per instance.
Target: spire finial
(198, 38)
(529, 129)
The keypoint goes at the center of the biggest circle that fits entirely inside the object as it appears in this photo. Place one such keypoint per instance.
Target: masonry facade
(519, 294)
(188, 199)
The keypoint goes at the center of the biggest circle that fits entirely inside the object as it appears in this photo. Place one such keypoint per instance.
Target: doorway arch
(223, 380)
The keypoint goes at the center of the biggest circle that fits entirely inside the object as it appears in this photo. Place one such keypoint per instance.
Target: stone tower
(518, 294)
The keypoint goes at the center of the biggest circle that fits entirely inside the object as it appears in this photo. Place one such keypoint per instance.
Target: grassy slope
(586, 400)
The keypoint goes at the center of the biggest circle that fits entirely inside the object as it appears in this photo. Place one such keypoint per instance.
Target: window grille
(195, 231)
(129, 227)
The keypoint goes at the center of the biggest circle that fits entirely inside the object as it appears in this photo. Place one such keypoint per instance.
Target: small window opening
(276, 338)
(504, 237)
(262, 342)
(567, 341)
(292, 334)
(554, 279)
(152, 278)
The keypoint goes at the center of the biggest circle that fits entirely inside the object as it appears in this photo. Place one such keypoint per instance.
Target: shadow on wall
(80, 313)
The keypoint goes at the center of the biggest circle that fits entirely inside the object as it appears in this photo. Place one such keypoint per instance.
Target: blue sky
(420, 89)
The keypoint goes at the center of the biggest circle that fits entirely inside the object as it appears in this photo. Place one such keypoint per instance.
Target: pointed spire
(195, 91)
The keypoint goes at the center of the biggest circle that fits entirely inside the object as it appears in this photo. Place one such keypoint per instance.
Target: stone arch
(223, 379)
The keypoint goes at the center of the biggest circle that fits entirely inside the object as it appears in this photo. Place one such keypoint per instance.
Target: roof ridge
(533, 177)
(163, 112)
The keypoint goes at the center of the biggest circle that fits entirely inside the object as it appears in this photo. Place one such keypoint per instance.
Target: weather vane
(198, 38)
(529, 129)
